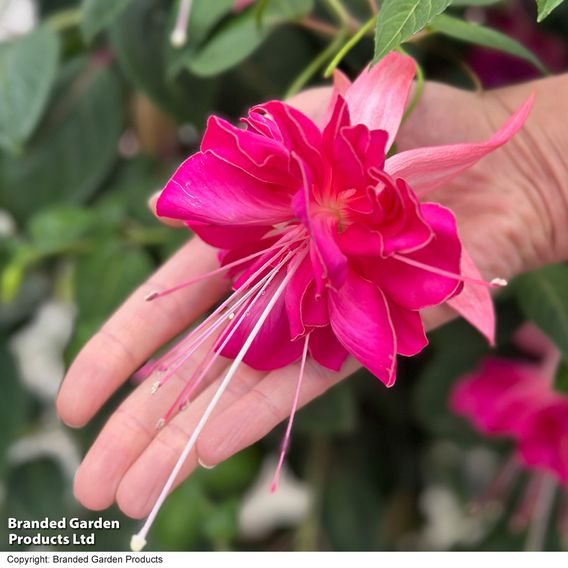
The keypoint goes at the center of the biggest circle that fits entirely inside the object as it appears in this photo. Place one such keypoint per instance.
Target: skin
(512, 211)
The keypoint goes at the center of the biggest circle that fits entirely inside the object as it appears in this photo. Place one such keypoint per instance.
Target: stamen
(498, 490)
(286, 440)
(196, 342)
(179, 34)
(563, 520)
(541, 516)
(166, 360)
(279, 245)
(522, 515)
(495, 283)
(217, 349)
(140, 538)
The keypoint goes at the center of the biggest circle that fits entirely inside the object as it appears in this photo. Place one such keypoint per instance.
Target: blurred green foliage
(96, 110)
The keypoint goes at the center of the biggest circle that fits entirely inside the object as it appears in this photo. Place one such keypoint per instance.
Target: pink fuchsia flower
(364, 253)
(332, 248)
(515, 399)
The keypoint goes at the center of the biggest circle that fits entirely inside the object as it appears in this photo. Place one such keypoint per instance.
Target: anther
(499, 282)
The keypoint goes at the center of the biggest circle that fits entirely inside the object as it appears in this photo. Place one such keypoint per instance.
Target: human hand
(512, 213)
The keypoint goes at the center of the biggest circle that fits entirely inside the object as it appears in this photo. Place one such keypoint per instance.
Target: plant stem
(315, 65)
(349, 45)
(318, 26)
(417, 95)
(339, 11)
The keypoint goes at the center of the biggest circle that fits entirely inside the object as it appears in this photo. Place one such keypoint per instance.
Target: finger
(130, 430)
(313, 102)
(142, 484)
(138, 329)
(152, 204)
(255, 414)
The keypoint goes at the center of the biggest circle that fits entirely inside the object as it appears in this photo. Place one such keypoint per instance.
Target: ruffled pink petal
(544, 441)
(208, 190)
(407, 230)
(410, 336)
(298, 133)
(294, 295)
(228, 237)
(500, 396)
(248, 267)
(425, 169)
(261, 157)
(361, 322)
(324, 230)
(327, 259)
(315, 311)
(474, 302)
(357, 240)
(349, 150)
(341, 84)
(378, 97)
(416, 288)
(326, 349)
(273, 347)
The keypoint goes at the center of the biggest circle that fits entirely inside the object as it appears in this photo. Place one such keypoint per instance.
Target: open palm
(506, 207)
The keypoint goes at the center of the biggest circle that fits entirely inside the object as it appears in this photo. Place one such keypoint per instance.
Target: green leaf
(455, 350)
(460, 3)
(28, 69)
(232, 476)
(140, 41)
(179, 525)
(240, 37)
(543, 298)
(221, 523)
(74, 152)
(561, 377)
(332, 413)
(36, 489)
(398, 20)
(58, 228)
(121, 268)
(479, 35)
(351, 506)
(545, 7)
(96, 15)
(13, 402)
(204, 16)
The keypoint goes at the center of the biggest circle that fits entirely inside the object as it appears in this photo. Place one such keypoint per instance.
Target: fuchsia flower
(363, 254)
(332, 248)
(515, 399)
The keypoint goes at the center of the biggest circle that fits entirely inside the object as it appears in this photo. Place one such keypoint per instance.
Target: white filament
(140, 538)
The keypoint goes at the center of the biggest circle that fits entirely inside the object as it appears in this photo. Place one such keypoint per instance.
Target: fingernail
(153, 198)
(204, 465)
